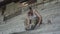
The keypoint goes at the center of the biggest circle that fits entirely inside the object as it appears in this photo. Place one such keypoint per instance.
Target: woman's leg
(37, 20)
(35, 23)
(40, 22)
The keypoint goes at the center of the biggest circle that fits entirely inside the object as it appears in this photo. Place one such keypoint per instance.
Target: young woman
(33, 19)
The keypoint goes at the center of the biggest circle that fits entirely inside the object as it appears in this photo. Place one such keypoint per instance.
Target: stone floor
(51, 11)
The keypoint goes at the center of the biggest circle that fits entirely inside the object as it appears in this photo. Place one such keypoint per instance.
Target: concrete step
(44, 29)
(16, 24)
(54, 32)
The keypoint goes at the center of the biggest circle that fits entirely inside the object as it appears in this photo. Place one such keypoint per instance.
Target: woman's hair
(30, 12)
(30, 8)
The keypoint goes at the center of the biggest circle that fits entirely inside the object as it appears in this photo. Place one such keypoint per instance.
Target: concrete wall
(39, 1)
(14, 7)
(11, 9)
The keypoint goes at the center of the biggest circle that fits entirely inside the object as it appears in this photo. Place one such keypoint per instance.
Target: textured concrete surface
(50, 10)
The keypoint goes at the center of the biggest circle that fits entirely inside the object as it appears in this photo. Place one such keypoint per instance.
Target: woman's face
(30, 13)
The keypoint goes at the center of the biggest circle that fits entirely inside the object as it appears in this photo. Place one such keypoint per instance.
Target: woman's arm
(39, 16)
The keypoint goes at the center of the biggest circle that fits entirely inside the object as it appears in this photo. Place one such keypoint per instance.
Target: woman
(33, 19)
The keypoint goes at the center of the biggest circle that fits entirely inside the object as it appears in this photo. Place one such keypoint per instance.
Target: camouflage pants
(33, 23)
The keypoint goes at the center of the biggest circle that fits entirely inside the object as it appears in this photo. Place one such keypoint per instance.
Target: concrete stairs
(16, 24)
